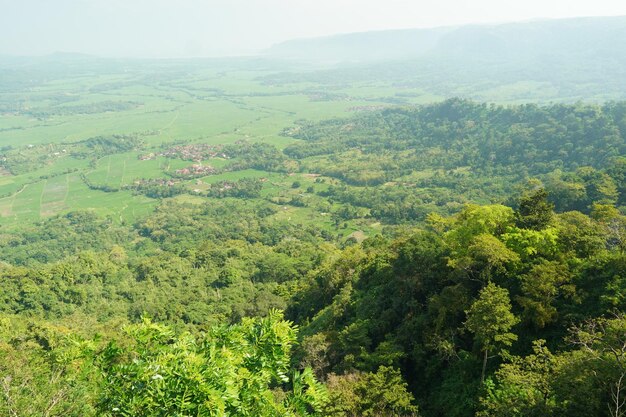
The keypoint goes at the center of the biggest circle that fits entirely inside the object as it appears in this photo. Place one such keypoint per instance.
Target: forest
(265, 238)
(495, 288)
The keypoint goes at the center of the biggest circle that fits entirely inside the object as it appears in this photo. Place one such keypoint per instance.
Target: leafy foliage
(229, 372)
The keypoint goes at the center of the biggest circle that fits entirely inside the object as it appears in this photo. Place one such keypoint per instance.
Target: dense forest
(403, 163)
(495, 287)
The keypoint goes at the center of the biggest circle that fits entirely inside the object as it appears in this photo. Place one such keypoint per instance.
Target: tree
(580, 234)
(475, 220)
(534, 210)
(490, 319)
(473, 242)
(490, 254)
(617, 171)
(44, 371)
(566, 192)
(600, 186)
(523, 387)
(545, 282)
(380, 394)
(230, 372)
(604, 340)
(614, 224)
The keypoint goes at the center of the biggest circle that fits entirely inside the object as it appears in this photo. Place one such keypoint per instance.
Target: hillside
(253, 237)
(426, 258)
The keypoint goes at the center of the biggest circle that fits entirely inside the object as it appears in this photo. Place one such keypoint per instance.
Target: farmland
(118, 137)
(45, 124)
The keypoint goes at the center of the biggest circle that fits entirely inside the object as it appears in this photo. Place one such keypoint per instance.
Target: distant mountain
(549, 60)
(591, 36)
(359, 47)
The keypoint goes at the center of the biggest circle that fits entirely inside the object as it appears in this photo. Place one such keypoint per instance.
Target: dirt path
(123, 172)
(43, 190)
(170, 124)
(173, 120)
(9, 210)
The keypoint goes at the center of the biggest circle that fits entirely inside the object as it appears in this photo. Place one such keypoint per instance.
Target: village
(195, 153)
(194, 171)
(154, 181)
(18, 161)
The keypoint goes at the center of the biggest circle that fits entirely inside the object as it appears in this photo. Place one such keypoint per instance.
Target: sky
(195, 28)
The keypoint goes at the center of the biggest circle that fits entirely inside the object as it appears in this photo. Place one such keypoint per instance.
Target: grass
(54, 195)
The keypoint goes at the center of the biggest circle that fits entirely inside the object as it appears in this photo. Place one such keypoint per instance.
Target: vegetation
(229, 372)
(324, 254)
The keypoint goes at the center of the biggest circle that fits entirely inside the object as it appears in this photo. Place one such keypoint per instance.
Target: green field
(46, 129)
(199, 105)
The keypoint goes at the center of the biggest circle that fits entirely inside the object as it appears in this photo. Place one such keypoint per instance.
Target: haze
(192, 28)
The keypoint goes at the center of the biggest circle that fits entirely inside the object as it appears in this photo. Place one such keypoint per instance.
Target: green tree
(490, 319)
(534, 210)
(375, 394)
(617, 171)
(600, 186)
(541, 286)
(230, 372)
(604, 342)
(44, 371)
(523, 387)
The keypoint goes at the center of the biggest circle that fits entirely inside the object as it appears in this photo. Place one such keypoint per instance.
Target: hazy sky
(176, 28)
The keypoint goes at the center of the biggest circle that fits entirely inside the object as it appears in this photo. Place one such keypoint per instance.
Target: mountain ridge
(400, 44)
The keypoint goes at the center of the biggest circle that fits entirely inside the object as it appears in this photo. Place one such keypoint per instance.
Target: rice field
(203, 105)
